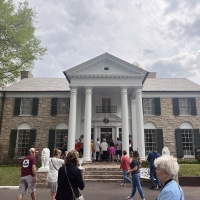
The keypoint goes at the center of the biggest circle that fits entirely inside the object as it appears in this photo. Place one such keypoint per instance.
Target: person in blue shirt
(167, 169)
(151, 158)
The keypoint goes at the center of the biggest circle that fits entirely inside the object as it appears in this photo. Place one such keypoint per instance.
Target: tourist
(97, 147)
(130, 146)
(167, 169)
(54, 164)
(135, 172)
(118, 146)
(151, 157)
(74, 175)
(111, 150)
(28, 175)
(91, 149)
(78, 145)
(124, 165)
(104, 148)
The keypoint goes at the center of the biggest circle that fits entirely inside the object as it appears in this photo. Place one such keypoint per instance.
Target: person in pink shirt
(125, 165)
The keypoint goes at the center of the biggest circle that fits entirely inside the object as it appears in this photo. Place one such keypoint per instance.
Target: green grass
(189, 170)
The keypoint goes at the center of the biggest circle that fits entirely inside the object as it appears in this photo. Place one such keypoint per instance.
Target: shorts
(27, 182)
(53, 186)
(119, 152)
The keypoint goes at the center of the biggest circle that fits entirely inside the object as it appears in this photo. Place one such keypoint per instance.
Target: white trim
(149, 125)
(61, 126)
(24, 126)
(186, 125)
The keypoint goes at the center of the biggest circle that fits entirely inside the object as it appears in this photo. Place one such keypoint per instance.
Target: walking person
(54, 164)
(97, 147)
(134, 169)
(104, 148)
(118, 146)
(151, 158)
(167, 169)
(111, 150)
(124, 165)
(73, 173)
(28, 175)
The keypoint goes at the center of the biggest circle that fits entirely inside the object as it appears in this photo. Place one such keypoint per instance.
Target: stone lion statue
(165, 151)
(45, 155)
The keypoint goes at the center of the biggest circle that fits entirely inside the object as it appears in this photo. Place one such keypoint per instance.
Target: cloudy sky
(161, 35)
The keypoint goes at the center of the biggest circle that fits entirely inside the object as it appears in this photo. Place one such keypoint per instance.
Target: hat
(33, 150)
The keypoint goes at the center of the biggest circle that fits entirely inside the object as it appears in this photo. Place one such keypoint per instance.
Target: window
(59, 136)
(26, 106)
(149, 106)
(150, 140)
(60, 106)
(187, 141)
(184, 106)
(22, 143)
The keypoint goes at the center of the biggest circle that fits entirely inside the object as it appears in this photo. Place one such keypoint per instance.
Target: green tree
(19, 47)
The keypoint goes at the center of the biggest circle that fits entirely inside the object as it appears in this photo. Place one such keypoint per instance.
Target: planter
(80, 162)
(189, 180)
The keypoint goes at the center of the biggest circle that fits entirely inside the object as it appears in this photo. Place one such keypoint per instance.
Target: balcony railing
(106, 109)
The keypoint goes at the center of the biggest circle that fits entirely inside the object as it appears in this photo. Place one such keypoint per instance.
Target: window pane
(184, 107)
(26, 106)
(150, 140)
(149, 106)
(63, 106)
(187, 141)
(60, 134)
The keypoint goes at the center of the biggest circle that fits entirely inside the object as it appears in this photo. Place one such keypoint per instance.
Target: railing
(107, 109)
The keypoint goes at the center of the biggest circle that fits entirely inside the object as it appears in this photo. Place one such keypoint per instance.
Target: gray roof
(39, 84)
(170, 84)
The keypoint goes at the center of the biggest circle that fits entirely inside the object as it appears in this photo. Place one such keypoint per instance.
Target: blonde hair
(56, 152)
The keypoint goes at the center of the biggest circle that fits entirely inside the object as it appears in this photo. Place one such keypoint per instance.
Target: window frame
(21, 107)
(152, 107)
(179, 103)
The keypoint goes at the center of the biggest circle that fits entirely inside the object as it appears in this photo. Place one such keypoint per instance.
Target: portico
(106, 93)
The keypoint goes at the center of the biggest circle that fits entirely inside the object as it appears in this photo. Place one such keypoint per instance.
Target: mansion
(105, 97)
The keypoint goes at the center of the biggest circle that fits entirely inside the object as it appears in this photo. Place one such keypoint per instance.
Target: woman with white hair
(104, 148)
(167, 169)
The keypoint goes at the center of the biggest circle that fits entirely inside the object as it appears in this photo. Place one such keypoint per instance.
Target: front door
(107, 134)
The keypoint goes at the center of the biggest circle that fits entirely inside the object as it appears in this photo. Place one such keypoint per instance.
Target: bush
(188, 161)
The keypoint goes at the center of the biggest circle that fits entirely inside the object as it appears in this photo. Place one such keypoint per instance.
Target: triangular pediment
(105, 65)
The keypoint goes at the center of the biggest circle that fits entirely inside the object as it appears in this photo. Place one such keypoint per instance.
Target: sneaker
(152, 188)
(128, 197)
(123, 184)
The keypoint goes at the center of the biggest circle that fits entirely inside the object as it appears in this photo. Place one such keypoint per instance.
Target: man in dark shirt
(28, 175)
(151, 157)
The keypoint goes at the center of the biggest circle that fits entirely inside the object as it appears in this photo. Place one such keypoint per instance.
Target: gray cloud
(147, 51)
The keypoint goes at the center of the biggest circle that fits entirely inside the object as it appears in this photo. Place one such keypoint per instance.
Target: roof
(169, 84)
(39, 84)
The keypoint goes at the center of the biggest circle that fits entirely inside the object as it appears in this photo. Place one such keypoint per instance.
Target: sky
(163, 36)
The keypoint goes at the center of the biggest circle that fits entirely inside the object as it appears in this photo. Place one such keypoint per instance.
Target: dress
(112, 148)
(53, 173)
(171, 191)
(64, 191)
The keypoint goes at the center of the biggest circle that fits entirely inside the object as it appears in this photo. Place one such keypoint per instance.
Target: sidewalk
(103, 191)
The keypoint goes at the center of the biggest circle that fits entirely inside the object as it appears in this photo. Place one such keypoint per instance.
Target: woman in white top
(54, 164)
(104, 148)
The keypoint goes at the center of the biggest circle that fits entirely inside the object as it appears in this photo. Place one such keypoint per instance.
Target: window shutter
(51, 141)
(157, 106)
(13, 137)
(54, 106)
(193, 106)
(196, 138)
(32, 139)
(179, 144)
(17, 107)
(35, 106)
(159, 139)
(176, 106)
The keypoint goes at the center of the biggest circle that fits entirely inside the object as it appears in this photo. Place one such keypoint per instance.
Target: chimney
(26, 74)
(152, 75)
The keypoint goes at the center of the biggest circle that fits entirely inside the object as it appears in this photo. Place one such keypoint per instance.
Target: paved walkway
(103, 191)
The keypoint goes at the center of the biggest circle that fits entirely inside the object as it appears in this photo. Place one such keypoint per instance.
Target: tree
(19, 47)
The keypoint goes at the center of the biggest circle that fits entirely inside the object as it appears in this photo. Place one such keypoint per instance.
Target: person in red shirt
(28, 175)
(125, 165)
(78, 145)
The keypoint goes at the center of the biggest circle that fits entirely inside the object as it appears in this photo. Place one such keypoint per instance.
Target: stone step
(104, 180)
(103, 173)
(103, 169)
(103, 176)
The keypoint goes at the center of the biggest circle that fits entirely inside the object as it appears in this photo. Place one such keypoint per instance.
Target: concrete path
(103, 191)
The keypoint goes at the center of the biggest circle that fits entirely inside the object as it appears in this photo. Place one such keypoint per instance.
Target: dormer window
(106, 68)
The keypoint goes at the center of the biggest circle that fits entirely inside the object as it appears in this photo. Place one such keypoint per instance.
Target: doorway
(106, 133)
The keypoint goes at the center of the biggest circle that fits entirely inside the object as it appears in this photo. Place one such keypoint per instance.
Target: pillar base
(42, 179)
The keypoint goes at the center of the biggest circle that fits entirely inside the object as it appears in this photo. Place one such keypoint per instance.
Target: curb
(9, 187)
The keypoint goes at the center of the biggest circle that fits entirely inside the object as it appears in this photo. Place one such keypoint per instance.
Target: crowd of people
(65, 178)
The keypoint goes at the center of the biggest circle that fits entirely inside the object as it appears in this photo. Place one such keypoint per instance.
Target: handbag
(76, 198)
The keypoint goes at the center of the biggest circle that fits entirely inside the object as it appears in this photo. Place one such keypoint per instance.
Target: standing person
(91, 149)
(167, 169)
(124, 165)
(151, 157)
(75, 178)
(111, 150)
(104, 148)
(64, 146)
(97, 149)
(54, 164)
(135, 172)
(28, 175)
(81, 141)
(78, 146)
(118, 145)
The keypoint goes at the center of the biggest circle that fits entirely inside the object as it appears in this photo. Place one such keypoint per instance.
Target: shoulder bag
(53, 164)
(76, 198)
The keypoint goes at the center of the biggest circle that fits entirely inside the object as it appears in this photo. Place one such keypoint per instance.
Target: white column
(95, 139)
(87, 125)
(72, 119)
(140, 124)
(117, 133)
(134, 124)
(125, 125)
